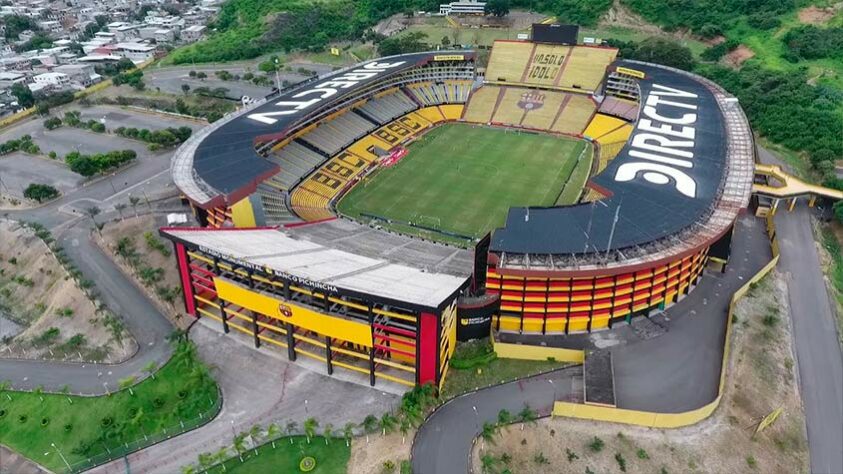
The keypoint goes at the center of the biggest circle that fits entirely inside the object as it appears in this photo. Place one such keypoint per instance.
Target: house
(466, 7)
(81, 74)
(193, 33)
(137, 52)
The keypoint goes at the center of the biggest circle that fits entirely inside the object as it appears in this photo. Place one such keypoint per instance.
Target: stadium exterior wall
(383, 340)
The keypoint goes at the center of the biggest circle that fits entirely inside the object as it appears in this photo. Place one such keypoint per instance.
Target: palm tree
(133, 201)
(489, 431)
(255, 434)
(240, 444)
(119, 207)
(188, 469)
(150, 368)
(272, 432)
(369, 425)
(39, 390)
(291, 429)
(404, 428)
(93, 212)
(310, 425)
(65, 390)
(327, 432)
(387, 423)
(504, 417)
(206, 460)
(488, 462)
(527, 415)
(221, 456)
(5, 386)
(127, 383)
(348, 433)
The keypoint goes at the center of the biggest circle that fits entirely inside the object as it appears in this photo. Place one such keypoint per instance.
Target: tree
(404, 427)
(405, 43)
(488, 432)
(272, 432)
(23, 95)
(664, 51)
(185, 88)
(446, 41)
(120, 207)
(387, 423)
(126, 383)
(255, 435)
(488, 463)
(40, 192)
(206, 460)
(328, 432)
(504, 417)
(310, 426)
(291, 429)
(838, 210)
(348, 433)
(39, 391)
(93, 212)
(5, 386)
(201, 75)
(239, 443)
(369, 425)
(527, 415)
(221, 456)
(498, 8)
(133, 201)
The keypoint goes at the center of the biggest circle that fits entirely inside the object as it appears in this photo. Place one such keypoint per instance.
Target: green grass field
(331, 458)
(84, 427)
(463, 179)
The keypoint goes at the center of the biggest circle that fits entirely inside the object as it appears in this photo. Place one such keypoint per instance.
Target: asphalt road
(818, 356)
(443, 443)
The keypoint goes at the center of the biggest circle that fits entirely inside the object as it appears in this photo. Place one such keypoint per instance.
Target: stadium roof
(221, 159)
(317, 266)
(678, 166)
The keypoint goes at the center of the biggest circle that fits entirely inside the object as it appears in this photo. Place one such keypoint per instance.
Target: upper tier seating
(386, 107)
(333, 135)
(623, 108)
(448, 92)
(552, 66)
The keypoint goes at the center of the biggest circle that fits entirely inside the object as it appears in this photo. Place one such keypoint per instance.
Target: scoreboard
(555, 34)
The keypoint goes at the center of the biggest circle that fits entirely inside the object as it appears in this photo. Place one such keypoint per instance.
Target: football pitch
(462, 179)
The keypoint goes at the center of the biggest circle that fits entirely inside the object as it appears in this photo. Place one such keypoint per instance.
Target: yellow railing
(675, 420)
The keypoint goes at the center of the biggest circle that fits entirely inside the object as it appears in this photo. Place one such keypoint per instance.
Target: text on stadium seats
(663, 141)
(323, 90)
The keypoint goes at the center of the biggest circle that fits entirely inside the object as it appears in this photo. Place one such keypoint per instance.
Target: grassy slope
(284, 458)
(468, 177)
(85, 415)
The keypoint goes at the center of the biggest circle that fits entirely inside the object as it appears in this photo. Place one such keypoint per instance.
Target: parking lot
(18, 170)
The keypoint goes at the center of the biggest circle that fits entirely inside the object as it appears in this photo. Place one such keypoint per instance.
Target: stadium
(369, 218)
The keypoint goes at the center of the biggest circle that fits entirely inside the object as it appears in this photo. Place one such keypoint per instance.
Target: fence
(148, 440)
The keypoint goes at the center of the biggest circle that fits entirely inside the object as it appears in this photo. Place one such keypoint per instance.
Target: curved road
(459, 421)
(142, 319)
(815, 333)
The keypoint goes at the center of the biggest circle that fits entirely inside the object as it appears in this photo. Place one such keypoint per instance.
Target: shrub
(596, 445)
(40, 192)
(621, 462)
(642, 454)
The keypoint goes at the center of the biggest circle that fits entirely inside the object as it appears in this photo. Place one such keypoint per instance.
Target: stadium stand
(333, 135)
(386, 107)
(622, 108)
(311, 200)
(447, 92)
(577, 68)
(554, 111)
(574, 115)
(482, 104)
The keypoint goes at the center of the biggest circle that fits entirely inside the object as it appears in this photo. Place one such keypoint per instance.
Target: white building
(466, 7)
(82, 75)
(54, 80)
(137, 52)
(7, 79)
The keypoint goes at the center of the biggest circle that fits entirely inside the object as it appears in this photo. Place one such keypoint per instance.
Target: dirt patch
(12, 203)
(761, 378)
(620, 15)
(60, 320)
(814, 15)
(738, 56)
(369, 456)
(153, 270)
